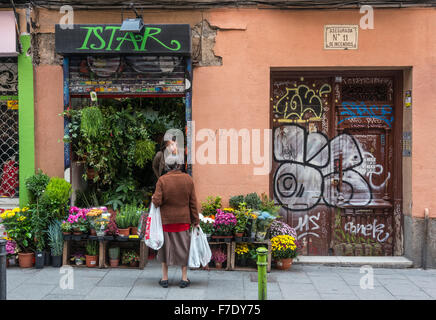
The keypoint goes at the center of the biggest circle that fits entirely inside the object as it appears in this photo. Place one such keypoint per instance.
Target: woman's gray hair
(173, 162)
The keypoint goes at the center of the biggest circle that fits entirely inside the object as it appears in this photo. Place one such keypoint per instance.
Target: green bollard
(262, 254)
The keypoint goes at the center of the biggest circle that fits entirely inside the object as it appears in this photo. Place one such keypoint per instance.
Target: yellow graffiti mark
(296, 107)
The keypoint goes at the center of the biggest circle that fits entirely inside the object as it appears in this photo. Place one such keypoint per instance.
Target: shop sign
(340, 37)
(13, 104)
(153, 39)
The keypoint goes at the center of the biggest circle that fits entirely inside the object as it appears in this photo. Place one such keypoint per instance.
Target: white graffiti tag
(371, 229)
(307, 224)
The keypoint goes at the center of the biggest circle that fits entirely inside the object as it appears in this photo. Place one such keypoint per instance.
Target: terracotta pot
(26, 260)
(134, 264)
(114, 262)
(218, 265)
(284, 264)
(91, 261)
(66, 233)
(134, 231)
(92, 232)
(124, 232)
(239, 234)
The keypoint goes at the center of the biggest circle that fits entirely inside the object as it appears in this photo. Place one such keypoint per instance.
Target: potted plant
(91, 254)
(77, 218)
(92, 216)
(114, 256)
(122, 222)
(206, 224)
(130, 257)
(219, 257)
(242, 215)
(210, 206)
(224, 224)
(11, 250)
(284, 250)
(235, 201)
(56, 243)
(242, 252)
(66, 227)
(78, 259)
(111, 230)
(19, 228)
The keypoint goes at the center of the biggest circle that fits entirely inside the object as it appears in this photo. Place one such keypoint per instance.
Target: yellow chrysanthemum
(11, 214)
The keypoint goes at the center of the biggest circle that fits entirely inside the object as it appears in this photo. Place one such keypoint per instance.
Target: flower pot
(39, 259)
(11, 261)
(124, 232)
(284, 264)
(90, 173)
(25, 260)
(91, 261)
(134, 230)
(134, 264)
(77, 233)
(78, 262)
(7, 263)
(56, 261)
(92, 232)
(239, 234)
(114, 262)
(66, 233)
(47, 258)
(218, 265)
(242, 262)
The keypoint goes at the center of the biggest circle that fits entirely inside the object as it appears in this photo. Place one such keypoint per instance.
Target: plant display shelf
(103, 244)
(143, 253)
(228, 250)
(233, 265)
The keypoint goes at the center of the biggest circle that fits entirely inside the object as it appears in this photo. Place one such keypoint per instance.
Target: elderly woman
(175, 195)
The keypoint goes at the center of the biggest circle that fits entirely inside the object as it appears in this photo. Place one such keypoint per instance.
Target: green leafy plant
(122, 221)
(253, 201)
(36, 185)
(55, 238)
(39, 222)
(144, 152)
(210, 206)
(126, 192)
(114, 253)
(92, 248)
(56, 197)
(235, 201)
(268, 205)
(92, 121)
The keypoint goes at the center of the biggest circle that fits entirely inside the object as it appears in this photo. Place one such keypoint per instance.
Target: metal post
(424, 247)
(262, 254)
(2, 269)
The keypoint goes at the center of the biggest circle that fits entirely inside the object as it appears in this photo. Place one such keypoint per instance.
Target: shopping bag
(142, 225)
(199, 251)
(154, 237)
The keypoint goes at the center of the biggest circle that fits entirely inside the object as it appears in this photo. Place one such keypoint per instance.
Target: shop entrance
(112, 140)
(337, 159)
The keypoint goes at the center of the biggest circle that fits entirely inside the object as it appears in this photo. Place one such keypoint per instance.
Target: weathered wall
(49, 128)
(236, 94)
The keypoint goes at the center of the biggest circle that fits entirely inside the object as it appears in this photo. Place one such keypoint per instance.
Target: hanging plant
(92, 121)
(144, 151)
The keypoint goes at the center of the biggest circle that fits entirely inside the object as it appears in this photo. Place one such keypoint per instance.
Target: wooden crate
(233, 256)
(228, 249)
(103, 245)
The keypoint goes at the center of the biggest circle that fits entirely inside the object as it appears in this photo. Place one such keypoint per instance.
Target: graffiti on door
(352, 110)
(301, 100)
(308, 176)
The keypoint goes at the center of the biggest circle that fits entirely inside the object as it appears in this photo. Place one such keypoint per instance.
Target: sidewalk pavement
(301, 282)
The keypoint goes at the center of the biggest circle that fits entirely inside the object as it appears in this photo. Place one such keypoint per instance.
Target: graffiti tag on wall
(353, 110)
(304, 178)
(299, 101)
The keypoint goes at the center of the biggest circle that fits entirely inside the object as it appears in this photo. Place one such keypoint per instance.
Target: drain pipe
(424, 248)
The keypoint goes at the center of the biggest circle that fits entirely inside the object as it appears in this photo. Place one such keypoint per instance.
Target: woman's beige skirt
(175, 250)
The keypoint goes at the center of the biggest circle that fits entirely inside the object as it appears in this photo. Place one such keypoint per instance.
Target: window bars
(8, 128)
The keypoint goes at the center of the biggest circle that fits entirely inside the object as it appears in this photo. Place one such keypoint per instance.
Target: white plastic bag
(199, 252)
(154, 237)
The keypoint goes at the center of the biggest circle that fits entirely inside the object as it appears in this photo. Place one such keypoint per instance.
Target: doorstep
(398, 262)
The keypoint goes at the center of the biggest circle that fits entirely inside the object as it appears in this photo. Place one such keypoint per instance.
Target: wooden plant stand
(228, 250)
(233, 266)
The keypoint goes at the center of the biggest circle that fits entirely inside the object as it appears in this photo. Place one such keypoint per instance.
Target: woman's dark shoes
(163, 283)
(184, 284)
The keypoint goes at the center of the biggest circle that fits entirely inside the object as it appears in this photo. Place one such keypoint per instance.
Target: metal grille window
(8, 128)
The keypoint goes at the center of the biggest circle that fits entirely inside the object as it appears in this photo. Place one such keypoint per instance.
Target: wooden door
(333, 160)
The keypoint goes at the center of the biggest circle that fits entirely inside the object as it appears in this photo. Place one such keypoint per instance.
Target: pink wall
(49, 126)
(236, 95)
(7, 34)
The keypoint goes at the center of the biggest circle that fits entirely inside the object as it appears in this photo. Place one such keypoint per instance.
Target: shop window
(8, 128)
